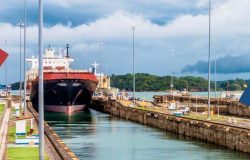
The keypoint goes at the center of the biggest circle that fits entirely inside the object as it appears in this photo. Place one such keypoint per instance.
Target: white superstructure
(51, 61)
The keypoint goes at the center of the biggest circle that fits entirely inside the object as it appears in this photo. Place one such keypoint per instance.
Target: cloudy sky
(162, 26)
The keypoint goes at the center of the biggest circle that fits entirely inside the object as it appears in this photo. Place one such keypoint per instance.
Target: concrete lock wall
(224, 135)
(233, 107)
(239, 109)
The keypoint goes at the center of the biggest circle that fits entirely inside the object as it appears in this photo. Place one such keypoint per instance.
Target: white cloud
(202, 3)
(176, 3)
(186, 33)
(229, 19)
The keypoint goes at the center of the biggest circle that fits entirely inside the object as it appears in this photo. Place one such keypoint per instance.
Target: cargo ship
(65, 90)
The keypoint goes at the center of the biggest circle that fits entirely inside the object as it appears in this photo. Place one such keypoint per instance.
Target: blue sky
(161, 26)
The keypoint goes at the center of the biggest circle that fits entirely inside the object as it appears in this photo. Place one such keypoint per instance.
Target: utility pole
(215, 81)
(215, 73)
(172, 80)
(6, 69)
(20, 24)
(209, 56)
(215, 86)
(40, 90)
(100, 66)
(133, 29)
(24, 55)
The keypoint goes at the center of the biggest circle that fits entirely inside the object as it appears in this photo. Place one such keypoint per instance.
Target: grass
(12, 134)
(1, 108)
(21, 153)
(204, 117)
(24, 153)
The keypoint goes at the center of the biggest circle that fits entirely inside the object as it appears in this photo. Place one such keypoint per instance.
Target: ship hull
(65, 109)
(64, 95)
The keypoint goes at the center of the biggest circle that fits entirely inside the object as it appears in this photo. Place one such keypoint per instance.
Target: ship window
(76, 84)
(62, 84)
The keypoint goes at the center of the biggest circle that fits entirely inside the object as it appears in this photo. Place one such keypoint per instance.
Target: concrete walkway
(4, 132)
(222, 119)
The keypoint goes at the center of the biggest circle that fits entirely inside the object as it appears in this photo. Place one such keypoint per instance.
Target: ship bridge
(51, 60)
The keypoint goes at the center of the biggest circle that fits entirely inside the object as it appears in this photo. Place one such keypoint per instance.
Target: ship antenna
(67, 52)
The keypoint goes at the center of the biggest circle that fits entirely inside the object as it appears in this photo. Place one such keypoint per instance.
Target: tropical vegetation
(147, 82)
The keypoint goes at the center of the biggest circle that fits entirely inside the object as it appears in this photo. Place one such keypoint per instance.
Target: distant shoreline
(148, 82)
(189, 91)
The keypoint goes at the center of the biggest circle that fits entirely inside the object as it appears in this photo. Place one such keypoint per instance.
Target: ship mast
(67, 55)
(67, 51)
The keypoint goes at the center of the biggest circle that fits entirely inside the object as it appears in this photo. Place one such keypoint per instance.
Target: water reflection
(77, 117)
(96, 136)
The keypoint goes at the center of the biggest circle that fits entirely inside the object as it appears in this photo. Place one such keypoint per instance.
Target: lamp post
(133, 29)
(209, 55)
(172, 80)
(21, 25)
(40, 90)
(100, 67)
(6, 69)
(215, 80)
(24, 55)
(215, 87)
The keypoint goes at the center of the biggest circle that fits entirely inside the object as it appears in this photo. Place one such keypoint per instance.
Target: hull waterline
(65, 109)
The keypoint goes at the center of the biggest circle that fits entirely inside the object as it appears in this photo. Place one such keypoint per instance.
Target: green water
(96, 136)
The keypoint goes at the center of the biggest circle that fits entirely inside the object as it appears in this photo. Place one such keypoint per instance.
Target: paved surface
(4, 132)
(223, 119)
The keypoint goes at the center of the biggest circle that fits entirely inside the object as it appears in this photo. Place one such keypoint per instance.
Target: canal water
(93, 135)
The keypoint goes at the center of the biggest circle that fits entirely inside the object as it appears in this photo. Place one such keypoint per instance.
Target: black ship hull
(65, 95)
